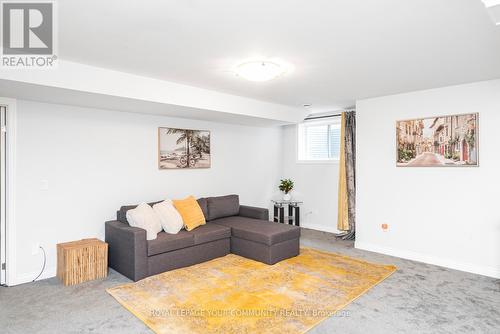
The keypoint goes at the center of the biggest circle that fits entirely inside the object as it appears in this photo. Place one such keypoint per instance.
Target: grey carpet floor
(418, 298)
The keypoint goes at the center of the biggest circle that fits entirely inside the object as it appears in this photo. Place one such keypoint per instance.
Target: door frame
(10, 170)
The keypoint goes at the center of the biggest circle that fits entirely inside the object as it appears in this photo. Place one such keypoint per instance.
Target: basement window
(319, 140)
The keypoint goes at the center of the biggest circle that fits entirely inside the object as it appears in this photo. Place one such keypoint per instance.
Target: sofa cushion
(168, 242)
(202, 202)
(143, 216)
(121, 215)
(210, 232)
(190, 211)
(171, 220)
(260, 231)
(223, 206)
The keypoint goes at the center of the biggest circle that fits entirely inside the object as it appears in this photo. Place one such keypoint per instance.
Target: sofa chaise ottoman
(230, 228)
(261, 240)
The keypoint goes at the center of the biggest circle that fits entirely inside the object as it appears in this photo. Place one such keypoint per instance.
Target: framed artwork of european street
(441, 141)
(183, 148)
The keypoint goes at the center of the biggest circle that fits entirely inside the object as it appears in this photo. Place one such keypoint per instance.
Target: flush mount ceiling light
(493, 7)
(261, 70)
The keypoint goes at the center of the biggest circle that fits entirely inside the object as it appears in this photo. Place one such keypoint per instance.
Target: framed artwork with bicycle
(183, 148)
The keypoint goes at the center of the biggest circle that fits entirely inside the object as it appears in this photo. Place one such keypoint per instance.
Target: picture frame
(183, 148)
(439, 141)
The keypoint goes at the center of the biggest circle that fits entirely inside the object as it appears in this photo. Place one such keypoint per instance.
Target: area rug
(233, 294)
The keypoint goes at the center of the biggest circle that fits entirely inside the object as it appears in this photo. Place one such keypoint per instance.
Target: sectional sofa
(230, 228)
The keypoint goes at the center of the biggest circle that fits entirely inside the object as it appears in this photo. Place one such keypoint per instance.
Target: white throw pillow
(170, 218)
(144, 217)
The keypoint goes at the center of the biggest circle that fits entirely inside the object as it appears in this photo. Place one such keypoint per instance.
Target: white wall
(97, 160)
(445, 216)
(315, 183)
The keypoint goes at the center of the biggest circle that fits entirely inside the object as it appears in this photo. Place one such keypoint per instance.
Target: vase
(287, 197)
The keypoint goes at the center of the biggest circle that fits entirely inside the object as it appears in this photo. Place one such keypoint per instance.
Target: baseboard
(29, 277)
(414, 256)
(321, 228)
(405, 254)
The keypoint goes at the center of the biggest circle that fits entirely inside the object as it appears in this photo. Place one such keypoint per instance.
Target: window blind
(319, 140)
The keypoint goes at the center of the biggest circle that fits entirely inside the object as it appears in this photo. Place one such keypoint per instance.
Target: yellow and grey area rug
(233, 294)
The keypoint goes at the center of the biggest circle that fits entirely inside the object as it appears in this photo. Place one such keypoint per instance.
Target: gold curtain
(343, 209)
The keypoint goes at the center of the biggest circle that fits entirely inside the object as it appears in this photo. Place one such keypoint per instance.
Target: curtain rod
(308, 118)
(320, 117)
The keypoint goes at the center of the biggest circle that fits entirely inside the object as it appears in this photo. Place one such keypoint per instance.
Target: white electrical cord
(44, 262)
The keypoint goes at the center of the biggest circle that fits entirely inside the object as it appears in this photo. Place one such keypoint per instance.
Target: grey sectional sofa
(230, 228)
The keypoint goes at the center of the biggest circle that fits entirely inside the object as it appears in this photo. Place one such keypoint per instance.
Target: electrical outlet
(35, 249)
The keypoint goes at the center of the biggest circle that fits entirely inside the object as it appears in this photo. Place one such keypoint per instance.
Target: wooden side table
(81, 261)
(293, 217)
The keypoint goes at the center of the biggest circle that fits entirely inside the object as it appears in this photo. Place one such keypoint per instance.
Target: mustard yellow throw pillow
(190, 211)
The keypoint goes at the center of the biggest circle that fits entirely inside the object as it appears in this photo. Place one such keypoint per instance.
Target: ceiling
(343, 50)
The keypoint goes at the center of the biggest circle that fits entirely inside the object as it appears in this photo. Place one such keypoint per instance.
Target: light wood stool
(81, 261)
